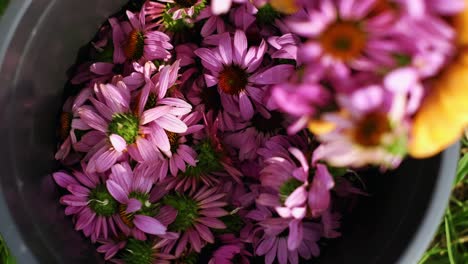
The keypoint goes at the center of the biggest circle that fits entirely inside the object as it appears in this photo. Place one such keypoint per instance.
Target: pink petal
(149, 225)
(92, 119)
(246, 108)
(297, 197)
(172, 124)
(117, 192)
(205, 233)
(225, 48)
(106, 160)
(209, 60)
(282, 251)
(240, 46)
(118, 142)
(63, 179)
(133, 205)
(102, 68)
(220, 6)
(274, 75)
(295, 234)
(212, 222)
(154, 113)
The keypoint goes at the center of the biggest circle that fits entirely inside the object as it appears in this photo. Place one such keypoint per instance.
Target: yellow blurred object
(443, 114)
(461, 24)
(287, 7)
(320, 127)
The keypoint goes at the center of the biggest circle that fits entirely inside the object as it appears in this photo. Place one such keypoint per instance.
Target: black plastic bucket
(39, 40)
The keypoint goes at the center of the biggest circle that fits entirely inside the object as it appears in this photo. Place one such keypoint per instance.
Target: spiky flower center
(173, 140)
(65, 125)
(102, 202)
(126, 126)
(267, 15)
(268, 126)
(344, 40)
(211, 99)
(185, 3)
(233, 80)
(187, 211)
(370, 130)
(208, 160)
(287, 188)
(135, 46)
(147, 208)
(138, 252)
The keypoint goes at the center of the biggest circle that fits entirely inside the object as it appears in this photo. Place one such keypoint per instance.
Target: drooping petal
(149, 225)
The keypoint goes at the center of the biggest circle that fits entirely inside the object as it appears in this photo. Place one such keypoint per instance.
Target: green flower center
(287, 188)
(268, 126)
(267, 15)
(126, 126)
(187, 211)
(208, 160)
(138, 252)
(102, 202)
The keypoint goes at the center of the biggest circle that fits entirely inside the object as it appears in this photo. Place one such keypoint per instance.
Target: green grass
(451, 242)
(5, 256)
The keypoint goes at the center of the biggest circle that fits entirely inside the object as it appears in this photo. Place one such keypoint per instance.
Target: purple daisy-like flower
(66, 129)
(286, 248)
(120, 128)
(138, 214)
(373, 130)
(234, 68)
(213, 162)
(133, 40)
(197, 213)
(297, 189)
(208, 100)
(95, 210)
(181, 153)
(344, 35)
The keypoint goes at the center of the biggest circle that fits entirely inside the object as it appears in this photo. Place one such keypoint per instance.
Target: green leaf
(462, 169)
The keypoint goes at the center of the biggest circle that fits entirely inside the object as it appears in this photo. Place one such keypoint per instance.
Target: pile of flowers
(198, 131)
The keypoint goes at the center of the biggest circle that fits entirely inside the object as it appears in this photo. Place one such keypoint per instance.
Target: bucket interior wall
(43, 47)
